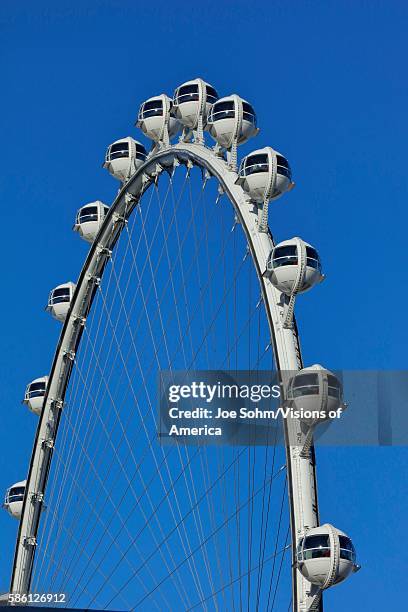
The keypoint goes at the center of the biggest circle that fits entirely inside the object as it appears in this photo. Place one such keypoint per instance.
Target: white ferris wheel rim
(302, 495)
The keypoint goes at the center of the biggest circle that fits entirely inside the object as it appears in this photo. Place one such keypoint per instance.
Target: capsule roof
(21, 483)
(317, 369)
(42, 379)
(326, 528)
(69, 285)
(292, 242)
(260, 160)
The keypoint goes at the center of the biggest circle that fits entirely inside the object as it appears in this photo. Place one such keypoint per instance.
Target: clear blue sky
(328, 82)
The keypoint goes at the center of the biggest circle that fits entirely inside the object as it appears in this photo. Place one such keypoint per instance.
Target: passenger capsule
(316, 392)
(35, 393)
(59, 300)
(13, 501)
(231, 120)
(294, 267)
(155, 119)
(265, 174)
(326, 556)
(192, 100)
(89, 219)
(124, 157)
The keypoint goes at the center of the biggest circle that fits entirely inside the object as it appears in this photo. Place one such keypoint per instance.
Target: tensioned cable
(118, 515)
(182, 520)
(79, 539)
(201, 543)
(79, 543)
(276, 546)
(280, 568)
(239, 578)
(105, 578)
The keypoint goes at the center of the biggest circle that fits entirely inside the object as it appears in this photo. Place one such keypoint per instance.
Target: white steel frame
(300, 466)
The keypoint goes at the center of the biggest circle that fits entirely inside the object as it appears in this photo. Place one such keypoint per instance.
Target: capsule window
(311, 252)
(346, 554)
(316, 541)
(89, 213)
(304, 384)
(346, 543)
(284, 172)
(187, 93)
(282, 161)
(303, 380)
(316, 546)
(36, 389)
(316, 553)
(347, 549)
(212, 95)
(223, 110)
(120, 146)
(255, 163)
(60, 295)
(120, 149)
(283, 167)
(285, 256)
(248, 113)
(312, 258)
(334, 392)
(334, 389)
(140, 152)
(152, 109)
(15, 494)
(313, 263)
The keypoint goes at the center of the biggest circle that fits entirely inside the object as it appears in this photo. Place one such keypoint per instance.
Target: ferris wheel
(182, 274)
